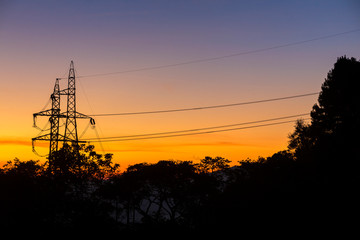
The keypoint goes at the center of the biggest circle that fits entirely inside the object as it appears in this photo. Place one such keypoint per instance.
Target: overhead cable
(205, 107)
(198, 133)
(209, 59)
(199, 129)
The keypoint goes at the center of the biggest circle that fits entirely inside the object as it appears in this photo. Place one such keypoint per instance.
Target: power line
(200, 129)
(205, 107)
(221, 57)
(198, 133)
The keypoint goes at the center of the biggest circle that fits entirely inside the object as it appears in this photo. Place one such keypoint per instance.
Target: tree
(209, 164)
(29, 169)
(334, 130)
(167, 193)
(81, 162)
(280, 159)
(338, 108)
(301, 141)
(336, 117)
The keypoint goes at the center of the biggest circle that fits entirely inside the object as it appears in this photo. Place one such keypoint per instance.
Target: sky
(38, 39)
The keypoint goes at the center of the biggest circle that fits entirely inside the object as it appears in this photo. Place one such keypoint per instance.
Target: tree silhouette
(209, 164)
(81, 162)
(60, 195)
(28, 169)
(336, 117)
(333, 134)
(326, 150)
(302, 141)
(337, 112)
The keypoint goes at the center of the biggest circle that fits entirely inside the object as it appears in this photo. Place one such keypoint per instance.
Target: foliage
(23, 168)
(81, 162)
(301, 141)
(209, 164)
(338, 111)
(333, 132)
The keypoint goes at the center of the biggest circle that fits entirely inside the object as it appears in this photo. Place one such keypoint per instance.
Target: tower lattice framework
(71, 114)
(70, 134)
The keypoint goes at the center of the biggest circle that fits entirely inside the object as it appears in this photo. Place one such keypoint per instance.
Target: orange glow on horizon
(235, 146)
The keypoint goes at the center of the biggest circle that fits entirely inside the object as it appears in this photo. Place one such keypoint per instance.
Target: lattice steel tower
(71, 126)
(70, 135)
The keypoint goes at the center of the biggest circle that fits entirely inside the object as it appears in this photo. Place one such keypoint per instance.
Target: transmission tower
(71, 126)
(54, 114)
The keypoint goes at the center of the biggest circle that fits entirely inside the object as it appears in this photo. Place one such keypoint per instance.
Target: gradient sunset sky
(38, 39)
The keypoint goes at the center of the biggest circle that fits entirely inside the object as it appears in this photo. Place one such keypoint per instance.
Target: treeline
(311, 184)
(173, 196)
(167, 195)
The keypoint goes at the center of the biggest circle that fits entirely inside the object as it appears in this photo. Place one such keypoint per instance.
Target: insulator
(92, 121)
(34, 120)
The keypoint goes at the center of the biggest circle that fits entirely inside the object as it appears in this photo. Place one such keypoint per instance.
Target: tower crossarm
(80, 115)
(43, 113)
(77, 115)
(46, 137)
(64, 91)
(52, 113)
(49, 113)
